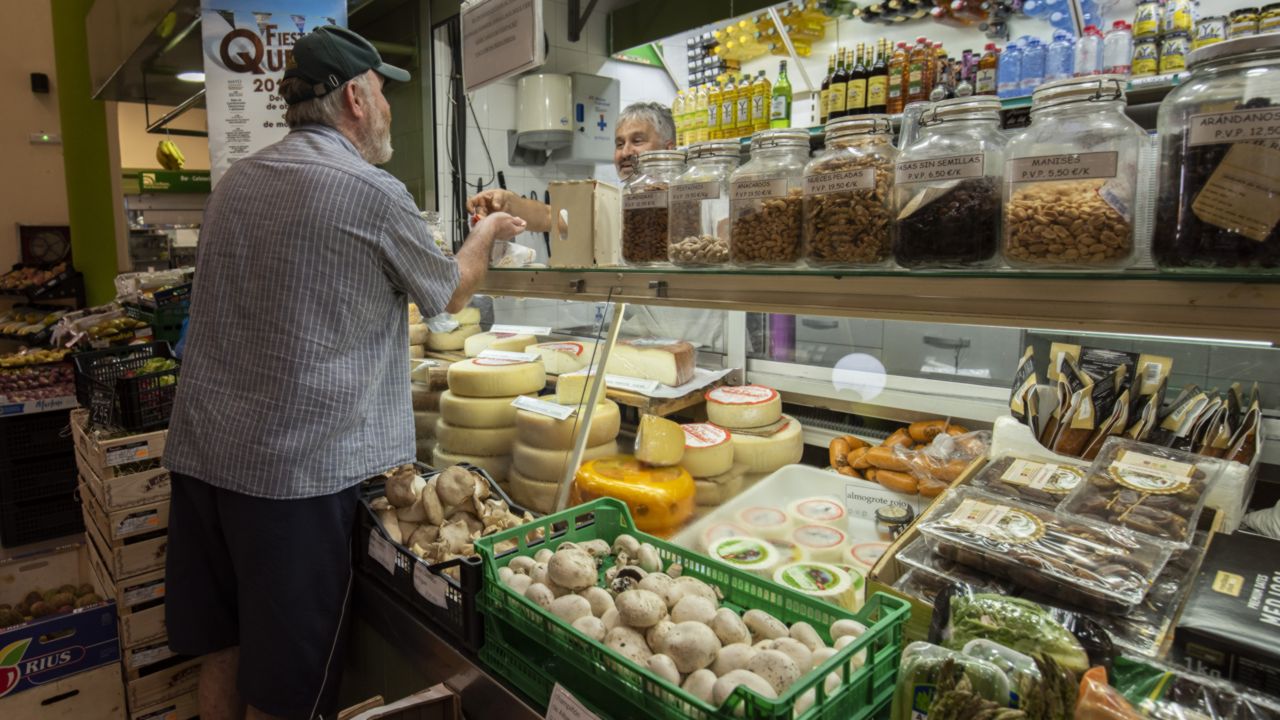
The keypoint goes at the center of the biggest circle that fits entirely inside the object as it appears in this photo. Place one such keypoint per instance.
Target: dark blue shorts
(271, 576)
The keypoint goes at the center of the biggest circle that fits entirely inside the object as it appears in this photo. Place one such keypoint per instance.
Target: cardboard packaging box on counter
(592, 211)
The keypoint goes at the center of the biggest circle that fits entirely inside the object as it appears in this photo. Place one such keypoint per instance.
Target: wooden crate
(103, 455)
(164, 681)
(118, 526)
(183, 707)
(125, 557)
(139, 602)
(139, 660)
(118, 489)
(97, 693)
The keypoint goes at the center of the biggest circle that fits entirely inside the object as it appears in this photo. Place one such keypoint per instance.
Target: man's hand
(492, 201)
(503, 226)
(489, 202)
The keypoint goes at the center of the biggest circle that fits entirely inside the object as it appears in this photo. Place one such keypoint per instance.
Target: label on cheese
(821, 510)
(507, 355)
(520, 330)
(704, 435)
(542, 407)
(743, 406)
(707, 450)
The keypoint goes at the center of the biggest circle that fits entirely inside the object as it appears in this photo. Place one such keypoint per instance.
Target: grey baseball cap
(329, 56)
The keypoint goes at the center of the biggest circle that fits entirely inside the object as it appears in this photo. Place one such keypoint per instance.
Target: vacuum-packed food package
(1034, 481)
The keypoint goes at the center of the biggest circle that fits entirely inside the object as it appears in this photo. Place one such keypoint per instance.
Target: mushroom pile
(439, 518)
(675, 626)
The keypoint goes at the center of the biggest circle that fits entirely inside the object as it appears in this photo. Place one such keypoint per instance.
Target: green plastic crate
(593, 671)
(165, 321)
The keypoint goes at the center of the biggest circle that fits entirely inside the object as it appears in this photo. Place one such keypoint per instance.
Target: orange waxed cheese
(660, 499)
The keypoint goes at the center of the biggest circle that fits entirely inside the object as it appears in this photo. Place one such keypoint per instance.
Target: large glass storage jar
(1071, 178)
(644, 207)
(766, 198)
(847, 191)
(947, 187)
(1219, 199)
(698, 205)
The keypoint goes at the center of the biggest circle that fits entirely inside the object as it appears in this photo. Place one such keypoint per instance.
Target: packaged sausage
(1155, 491)
(1039, 483)
(1069, 559)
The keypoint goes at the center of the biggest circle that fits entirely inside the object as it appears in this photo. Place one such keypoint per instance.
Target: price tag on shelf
(564, 706)
(382, 552)
(430, 586)
(620, 382)
(132, 452)
(521, 329)
(542, 407)
(507, 355)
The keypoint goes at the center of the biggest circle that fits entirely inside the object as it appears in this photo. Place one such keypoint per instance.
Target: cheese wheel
(746, 553)
(469, 412)
(707, 450)
(573, 389)
(496, 465)
(820, 580)
(424, 424)
(424, 400)
(712, 492)
(415, 315)
(549, 433)
(564, 357)
(488, 378)
(820, 511)
(530, 494)
(789, 552)
(429, 374)
(764, 522)
(475, 441)
(670, 362)
(743, 406)
(767, 454)
(509, 342)
(823, 543)
(659, 441)
(864, 556)
(660, 498)
(418, 334)
(548, 466)
(467, 316)
(416, 352)
(453, 340)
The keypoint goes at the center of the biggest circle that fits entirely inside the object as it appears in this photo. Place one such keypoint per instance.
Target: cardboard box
(592, 211)
(435, 703)
(44, 650)
(97, 694)
(183, 707)
(118, 525)
(1230, 627)
(102, 456)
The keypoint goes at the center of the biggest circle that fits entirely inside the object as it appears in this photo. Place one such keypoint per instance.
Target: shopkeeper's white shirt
(295, 378)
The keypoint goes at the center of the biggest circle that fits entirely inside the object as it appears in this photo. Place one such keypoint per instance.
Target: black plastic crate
(448, 602)
(37, 478)
(34, 435)
(114, 400)
(36, 520)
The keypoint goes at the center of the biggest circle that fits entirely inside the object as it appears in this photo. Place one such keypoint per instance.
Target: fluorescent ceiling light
(191, 76)
(1164, 338)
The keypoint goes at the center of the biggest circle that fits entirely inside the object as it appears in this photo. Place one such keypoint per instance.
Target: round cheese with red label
(764, 522)
(821, 542)
(820, 510)
(707, 450)
(743, 406)
(492, 377)
(564, 357)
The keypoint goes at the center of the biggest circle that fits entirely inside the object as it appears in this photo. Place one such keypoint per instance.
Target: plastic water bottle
(1031, 75)
(1089, 52)
(1061, 20)
(1117, 49)
(1061, 58)
(1089, 12)
(1009, 71)
(1035, 8)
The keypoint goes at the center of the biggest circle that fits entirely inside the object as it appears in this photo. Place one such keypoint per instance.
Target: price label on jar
(695, 191)
(1076, 166)
(1240, 194)
(645, 200)
(1236, 126)
(955, 167)
(860, 179)
(758, 189)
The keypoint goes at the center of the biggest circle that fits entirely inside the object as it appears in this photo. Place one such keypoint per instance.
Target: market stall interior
(927, 370)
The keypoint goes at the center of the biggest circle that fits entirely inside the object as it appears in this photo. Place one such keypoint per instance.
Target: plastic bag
(945, 458)
(927, 671)
(1099, 701)
(1164, 692)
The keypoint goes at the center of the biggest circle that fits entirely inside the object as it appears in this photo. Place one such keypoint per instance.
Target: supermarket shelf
(10, 408)
(1206, 306)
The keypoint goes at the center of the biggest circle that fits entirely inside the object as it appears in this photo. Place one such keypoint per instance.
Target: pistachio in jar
(847, 193)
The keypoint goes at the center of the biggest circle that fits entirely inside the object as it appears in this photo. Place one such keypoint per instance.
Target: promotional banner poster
(246, 45)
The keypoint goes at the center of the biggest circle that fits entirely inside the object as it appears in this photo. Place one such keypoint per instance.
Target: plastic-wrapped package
(962, 616)
(1069, 559)
(938, 464)
(927, 672)
(1164, 692)
(1100, 701)
(1033, 481)
(1019, 668)
(920, 555)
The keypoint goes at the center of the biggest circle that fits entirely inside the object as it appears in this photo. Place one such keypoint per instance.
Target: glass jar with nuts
(766, 198)
(644, 207)
(947, 186)
(847, 191)
(1071, 178)
(698, 205)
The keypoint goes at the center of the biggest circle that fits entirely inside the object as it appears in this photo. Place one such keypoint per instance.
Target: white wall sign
(500, 38)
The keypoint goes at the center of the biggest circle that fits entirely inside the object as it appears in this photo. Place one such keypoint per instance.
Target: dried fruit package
(1034, 481)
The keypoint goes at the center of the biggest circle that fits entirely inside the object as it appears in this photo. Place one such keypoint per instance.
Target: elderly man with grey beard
(295, 384)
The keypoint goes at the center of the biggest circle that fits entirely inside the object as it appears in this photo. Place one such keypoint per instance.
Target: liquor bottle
(897, 79)
(713, 111)
(986, 78)
(760, 96)
(856, 89)
(780, 106)
(825, 96)
(937, 59)
(878, 80)
(839, 86)
(917, 66)
(728, 106)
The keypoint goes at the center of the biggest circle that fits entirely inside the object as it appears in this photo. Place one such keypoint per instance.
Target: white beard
(375, 140)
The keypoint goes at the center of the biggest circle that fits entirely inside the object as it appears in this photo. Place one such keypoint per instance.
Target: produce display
(39, 603)
(29, 324)
(28, 358)
(37, 382)
(25, 279)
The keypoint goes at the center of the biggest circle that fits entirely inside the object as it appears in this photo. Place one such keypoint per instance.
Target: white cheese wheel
(496, 465)
(820, 580)
(415, 315)
(549, 433)
(820, 511)
(530, 494)
(509, 342)
(564, 356)
(746, 553)
(659, 441)
(484, 377)
(469, 412)
(475, 441)
(720, 489)
(718, 531)
(767, 454)
(823, 543)
(573, 389)
(764, 522)
(743, 406)
(424, 424)
(670, 362)
(708, 450)
(453, 340)
(418, 334)
(548, 466)
(416, 352)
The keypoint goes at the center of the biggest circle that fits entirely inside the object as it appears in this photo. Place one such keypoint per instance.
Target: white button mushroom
(732, 657)
(805, 633)
(629, 643)
(692, 646)
(795, 650)
(776, 667)
(656, 636)
(729, 627)
(763, 626)
(541, 595)
(725, 686)
(573, 569)
(700, 684)
(664, 667)
(599, 598)
(694, 608)
(570, 607)
(590, 626)
(640, 608)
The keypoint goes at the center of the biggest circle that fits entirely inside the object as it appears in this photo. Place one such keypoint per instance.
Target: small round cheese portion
(531, 494)
(548, 433)
(548, 466)
(746, 553)
(489, 378)
(823, 543)
(823, 581)
(496, 465)
(767, 454)
(764, 522)
(475, 441)
(455, 339)
(565, 356)
(820, 510)
(508, 342)
(719, 531)
(707, 450)
(469, 412)
(743, 406)
(865, 555)
(659, 442)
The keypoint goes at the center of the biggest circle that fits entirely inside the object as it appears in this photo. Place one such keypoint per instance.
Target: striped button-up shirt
(295, 378)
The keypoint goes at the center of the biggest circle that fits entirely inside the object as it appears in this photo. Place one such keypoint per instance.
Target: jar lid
(1092, 88)
(1234, 47)
(981, 107)
(661, 156)
(859, 125)
(1275, 6)
(1244, 11)
(780, 137)
(714, 148)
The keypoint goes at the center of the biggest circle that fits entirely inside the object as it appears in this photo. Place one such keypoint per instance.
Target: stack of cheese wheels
(505, 341)
(708, 456)
(763, 438)
(468, 324)
(417, 332)
(477, 421)
(543, 447)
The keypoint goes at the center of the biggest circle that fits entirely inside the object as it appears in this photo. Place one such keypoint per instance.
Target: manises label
(1075, 166)
(955, 167)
